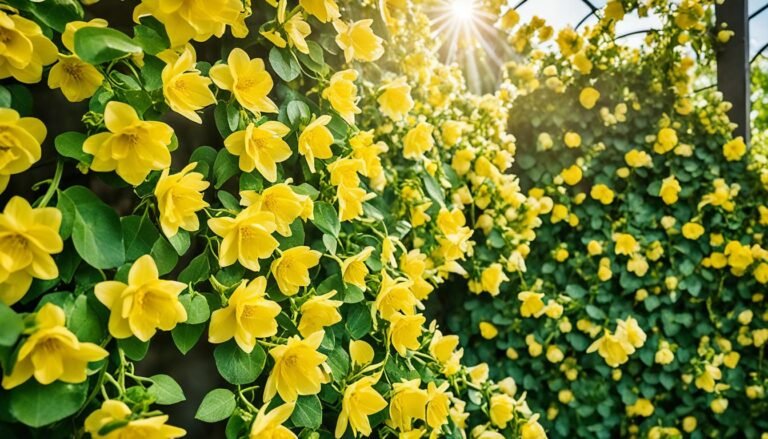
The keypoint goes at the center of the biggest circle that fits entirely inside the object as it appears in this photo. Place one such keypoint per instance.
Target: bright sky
(560, 13)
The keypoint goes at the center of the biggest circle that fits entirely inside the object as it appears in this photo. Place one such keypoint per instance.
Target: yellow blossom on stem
(248, 81)
(395, 296)
(417, 141)
(25, 49)
(323, 10)
(670, 188)
(52, 352)
(132, 147)
(318, 312)
(405, 331)
(116, 417)
(299, 369)
(315, 141)
(144, 305)
(179, 198)
(191, 20)
(354, 270)
(28, 238)
(281, 201)
(269, 425)
(408, 403)
(249, 315)
(291, 269)
(260, 147)
(342, 94)
(184, 88)
(21, 138)
(395, 100)
(77, 79)
(358, 41)
(360, 401)
(246, 238)
(360, 352)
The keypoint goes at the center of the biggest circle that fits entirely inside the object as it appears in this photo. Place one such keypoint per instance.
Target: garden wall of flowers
(367, 247)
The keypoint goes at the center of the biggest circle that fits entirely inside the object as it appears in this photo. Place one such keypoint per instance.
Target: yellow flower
(248, 81)
(532, 304)
(414, 265)
(719, 405)
(642, 407)
(706, 379)
(52, 352)
(132, 147)
(342, 94)
(351, 201)
(344, 172)
(358, 41)
(405, 331)
(291, 269)
(298, 30)
(395, 100)
(354, 270)
(270, 425)
(625, 244)
(395, 296)
(21, 139)
(179, 198)
(488, 331)
(417, 141)
(187, 20)
(572, 140)
(637, 159)
(246, 238)
(670, 188)
(360, 401)
(184, 88)
(116, 416)
(438, 403)
(692, 230)
(315, 141)
(588, 97)
(442, 346)
(145, 304)
(664, 355)
(248, 315)
(734, 149)
(77, 79)
(298, 369)
(25, 49)
(532, 429)
(502, 409)
(602, 193)
(28, 237)
(408, 403)
(492, 278)
(323, 10)
(631, 331)
(319, 312)
(666, 141)
(360, 352)
(260, 147)
(615, 350)
(572, 175)
(281, 201)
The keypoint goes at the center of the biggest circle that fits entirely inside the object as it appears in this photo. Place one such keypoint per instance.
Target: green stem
(54, 184)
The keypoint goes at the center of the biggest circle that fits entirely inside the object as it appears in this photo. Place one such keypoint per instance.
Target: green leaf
(164, 255)
(217, 405)
(134, 348)
(83, 320)
(433, 188)
(197, 308)
(96, 230)
(139, 235)
(70, 144)
(98, 45)
(53, 13)
(198, 270)
(308, 412)
(326, 218)
(204, 156)
(165, 390)
(180, 241)
(236, 366)
(358, 321)
(298, 112)
(11, 325)
(284, 64)
(37, 405)
(151, 35)
(224, 168)
(185, 337)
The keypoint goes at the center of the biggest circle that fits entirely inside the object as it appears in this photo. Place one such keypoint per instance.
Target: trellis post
(733, 62)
